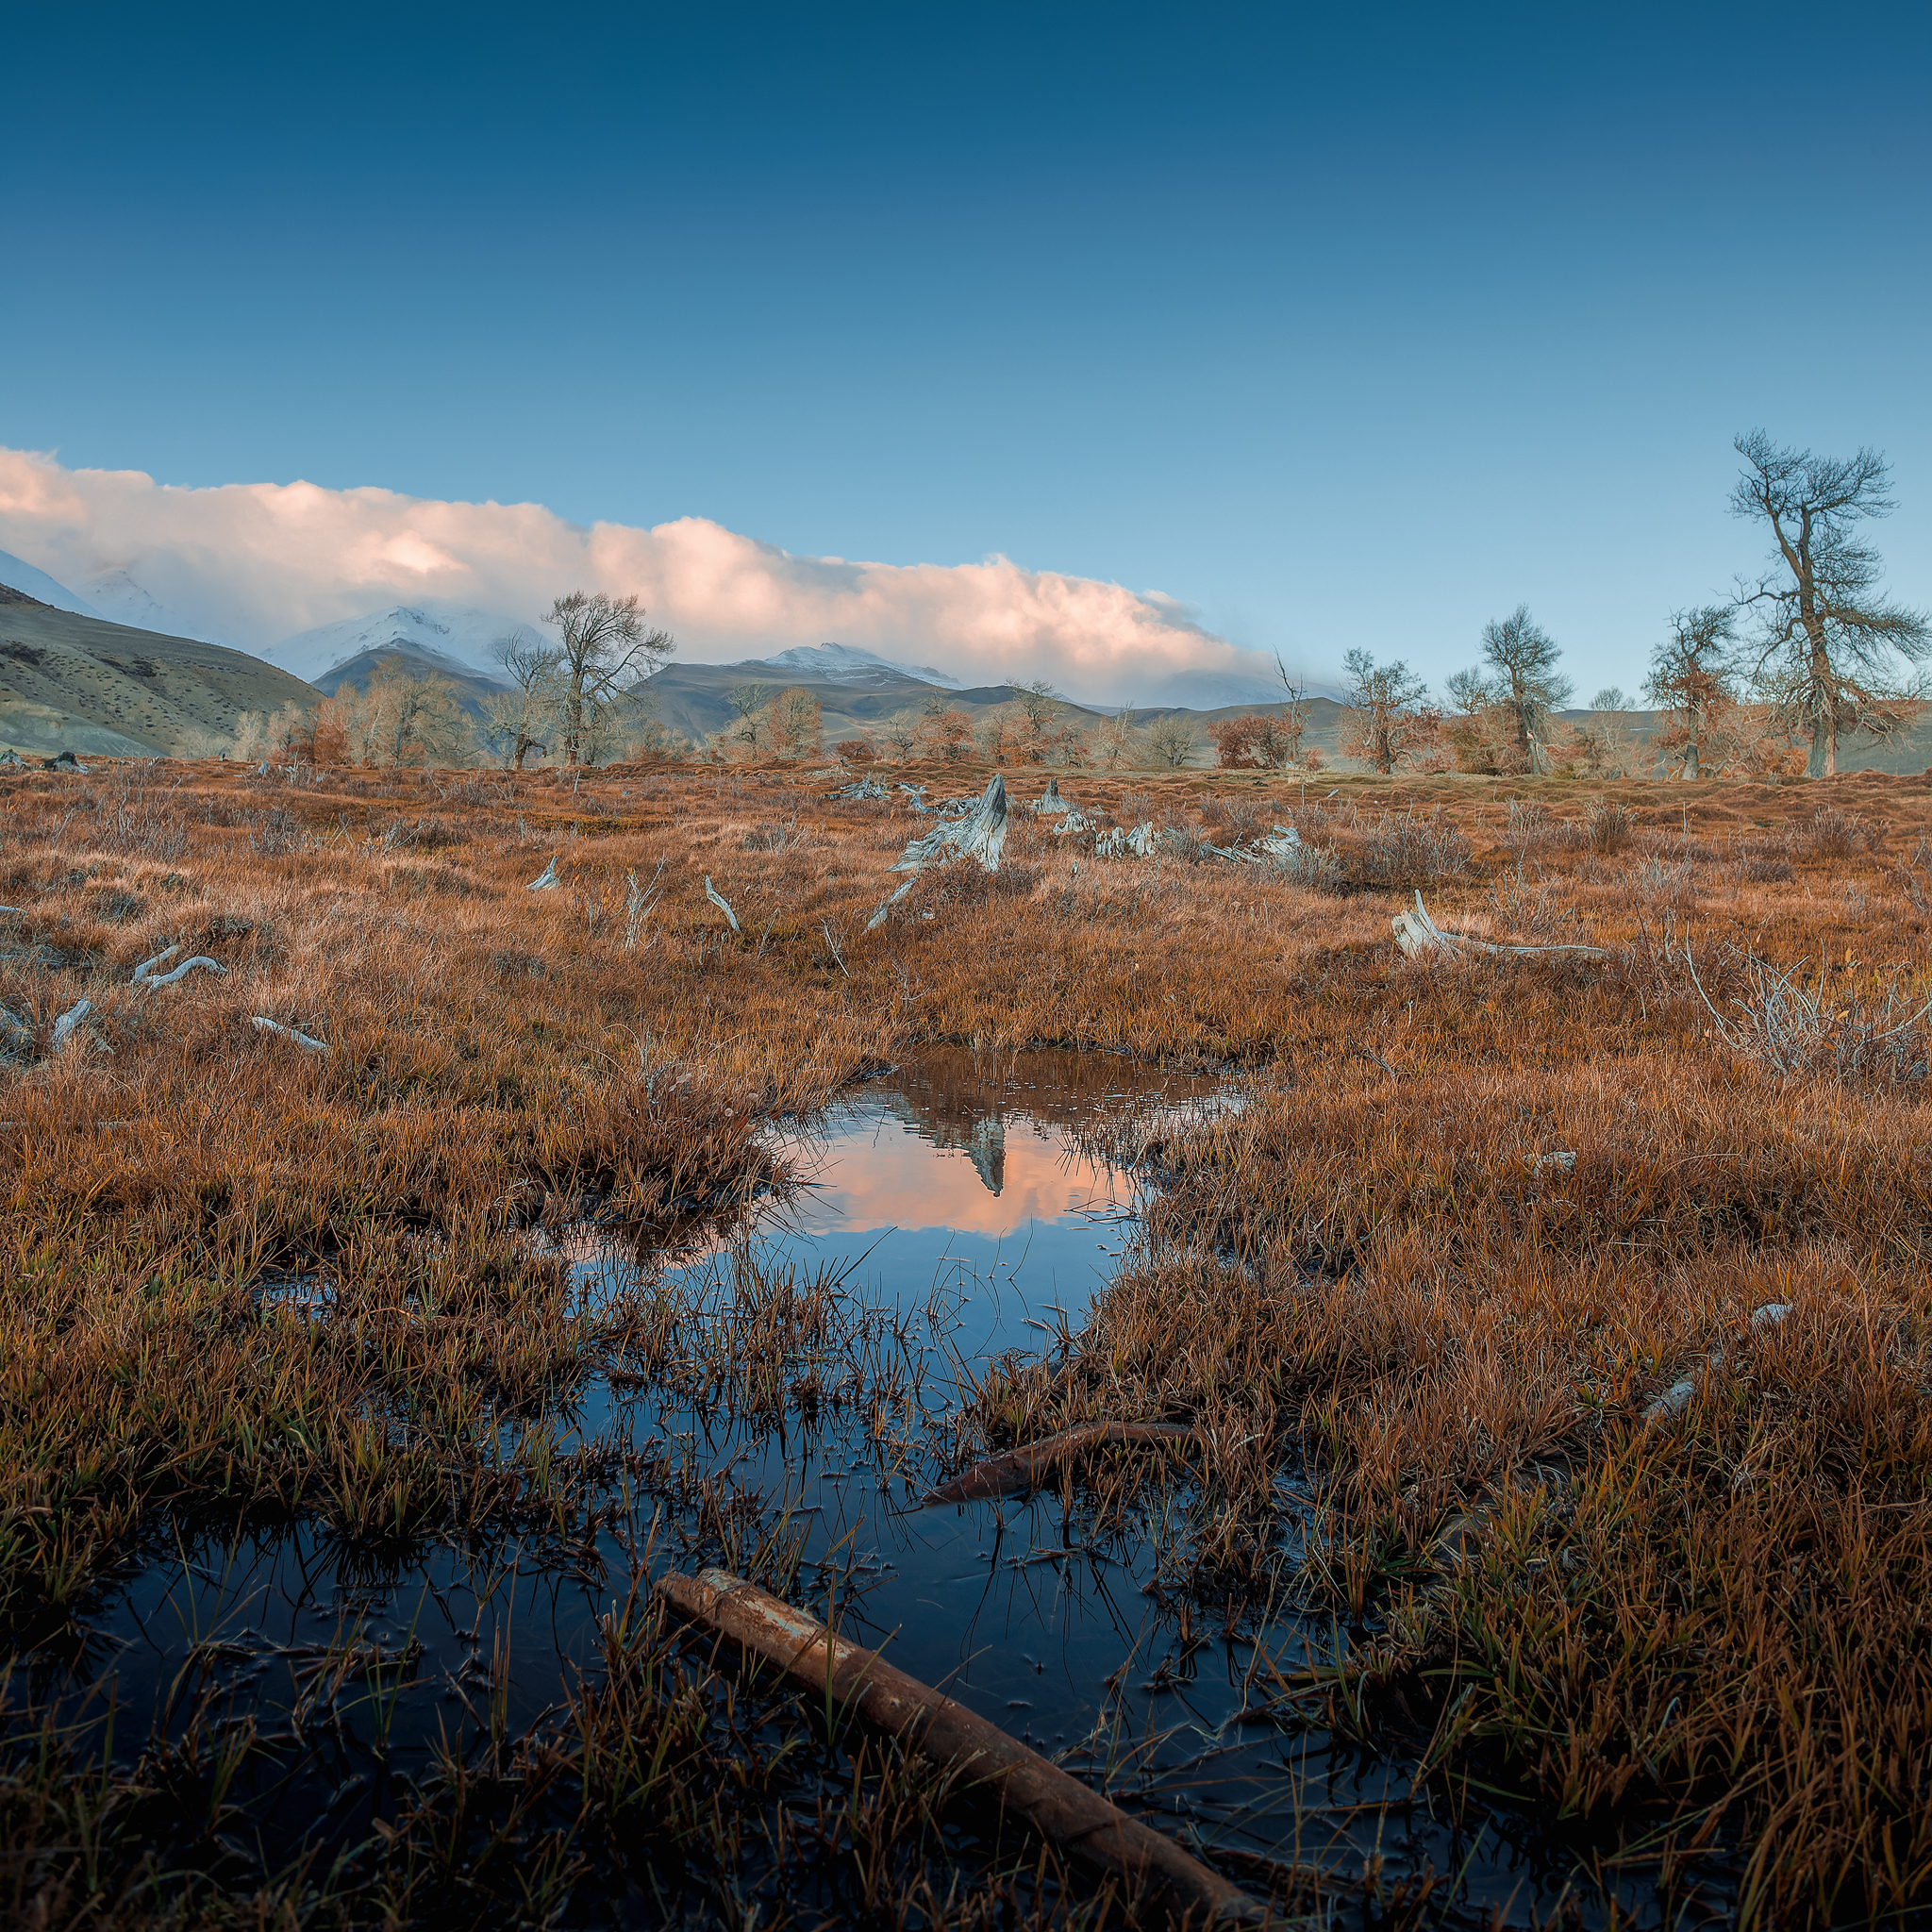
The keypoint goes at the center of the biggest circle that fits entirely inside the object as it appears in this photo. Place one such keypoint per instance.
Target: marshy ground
(350, 1400)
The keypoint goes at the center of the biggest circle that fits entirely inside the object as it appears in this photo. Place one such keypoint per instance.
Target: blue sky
(1339, 326)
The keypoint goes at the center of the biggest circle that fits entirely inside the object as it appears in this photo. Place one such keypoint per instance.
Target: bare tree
(603, 655)
(1038, 701)
(1294, 713)
(1113, 739)
(1828, 642)
(747, 702)
(1386, 720)
(1172, 740)
(1690, 680)
(525, 718)
(1522, 682)
(397, 719)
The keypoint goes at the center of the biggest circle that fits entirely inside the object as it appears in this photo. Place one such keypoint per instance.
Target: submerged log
(1071, 1816)
(1420, 937)
(1025, 1469)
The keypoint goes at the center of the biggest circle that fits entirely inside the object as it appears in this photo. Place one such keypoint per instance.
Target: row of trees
(1807, 654)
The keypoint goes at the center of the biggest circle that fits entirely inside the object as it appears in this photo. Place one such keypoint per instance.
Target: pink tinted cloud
(252, 564)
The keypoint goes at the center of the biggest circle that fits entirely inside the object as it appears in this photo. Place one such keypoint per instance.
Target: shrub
(1609, 826)
(1835, 833)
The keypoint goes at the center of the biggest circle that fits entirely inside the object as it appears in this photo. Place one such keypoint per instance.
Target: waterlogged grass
(1417, 1295)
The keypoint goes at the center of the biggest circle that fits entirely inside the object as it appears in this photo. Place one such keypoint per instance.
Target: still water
(953, 1210)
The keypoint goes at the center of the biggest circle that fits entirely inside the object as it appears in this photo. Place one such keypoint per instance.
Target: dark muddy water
(950, 1211)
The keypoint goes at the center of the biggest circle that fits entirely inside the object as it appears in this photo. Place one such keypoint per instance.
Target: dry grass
(1707, 1633)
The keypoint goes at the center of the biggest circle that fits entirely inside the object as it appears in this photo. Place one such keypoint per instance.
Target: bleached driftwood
(718, 899)
(1066, 1812)
(885, 905)
(145, 974)
(982, 835)
(10, 757)
(1073, 824)
(64, 1026)
(1118, 843)
(915, 795)
(866, 787)
(15, 1029)
(1281, 842)
(186, 967)
(546, 880)
(304, 1040)
(1677, 1398)
(1049, 804)
(63, 761)
(1420, 937)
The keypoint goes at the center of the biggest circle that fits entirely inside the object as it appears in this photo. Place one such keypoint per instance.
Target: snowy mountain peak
(843, 664)
(459, 634)
(118, 597)
(19, 575)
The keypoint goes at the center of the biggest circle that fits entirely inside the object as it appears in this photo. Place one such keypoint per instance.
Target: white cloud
(252, 564)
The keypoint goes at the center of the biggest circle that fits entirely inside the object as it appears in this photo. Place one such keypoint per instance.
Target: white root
(186, 967)
(718, 899)
(545, 881)
(1420, 937)
(147, 966)
(301, 1038)
(68, 1021)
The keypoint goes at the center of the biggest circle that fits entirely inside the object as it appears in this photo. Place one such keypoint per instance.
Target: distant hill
(354, 672)
(70, 682)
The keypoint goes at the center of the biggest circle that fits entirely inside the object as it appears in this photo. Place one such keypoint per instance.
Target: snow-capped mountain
(19, 575)
(843, 664)
(458, 634)
(117, 597)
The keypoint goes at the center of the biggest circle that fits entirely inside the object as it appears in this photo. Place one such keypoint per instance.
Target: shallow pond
(946, 1212)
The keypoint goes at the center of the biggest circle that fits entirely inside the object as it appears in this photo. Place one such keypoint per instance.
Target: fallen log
(546, 880)
(1019, 1471)
(1419, 938)
(1152, 1869)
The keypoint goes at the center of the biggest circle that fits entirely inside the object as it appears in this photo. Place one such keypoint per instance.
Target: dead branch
(1420, 937)
(301, 1038)
(68, 1021)
(1066, 1812)
(546, 880)
(718, 899)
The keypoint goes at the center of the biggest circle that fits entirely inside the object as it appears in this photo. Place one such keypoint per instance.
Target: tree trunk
(1689, 769)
